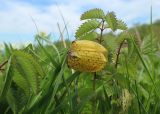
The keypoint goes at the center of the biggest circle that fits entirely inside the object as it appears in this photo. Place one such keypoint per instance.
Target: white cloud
(16, 16)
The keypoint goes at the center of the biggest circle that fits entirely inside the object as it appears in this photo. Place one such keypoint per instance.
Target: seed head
(126, 100)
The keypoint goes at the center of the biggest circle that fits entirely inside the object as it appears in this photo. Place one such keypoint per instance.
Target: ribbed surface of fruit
(87, 56)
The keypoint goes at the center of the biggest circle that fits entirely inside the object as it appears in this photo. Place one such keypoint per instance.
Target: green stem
(101, 34)
(94, 98)
(139, 106)
(94, 76)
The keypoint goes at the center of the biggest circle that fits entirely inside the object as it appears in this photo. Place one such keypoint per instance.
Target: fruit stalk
(94, 75)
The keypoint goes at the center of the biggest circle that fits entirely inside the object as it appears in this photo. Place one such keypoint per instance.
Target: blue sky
(16, 25)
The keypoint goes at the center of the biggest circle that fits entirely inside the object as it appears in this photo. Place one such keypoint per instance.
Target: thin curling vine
(96, 19)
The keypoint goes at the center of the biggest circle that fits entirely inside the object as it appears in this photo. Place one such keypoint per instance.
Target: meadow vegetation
(36, 79)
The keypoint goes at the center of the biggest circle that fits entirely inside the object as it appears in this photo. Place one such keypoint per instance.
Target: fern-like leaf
(87, 27)
(89, 36)
(8, 79)
(93, 14)
(121, 25)
(27, 72)
(16, 99)
(147, 46)
(21, 82)
(111, 20)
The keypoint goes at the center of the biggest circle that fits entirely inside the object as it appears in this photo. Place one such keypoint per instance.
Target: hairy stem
(117, 60)
(118, 53)
(94, 75)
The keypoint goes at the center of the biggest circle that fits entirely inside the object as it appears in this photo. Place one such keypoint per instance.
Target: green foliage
(111, 20)
(147, 46)
(86, 27)
(121, 25)
(8, 49)
(113, 23)
(22, 79)
(89, 36)
(97, 19)
(93, 14)
(7, 80)
(27, 73)
(36, 79)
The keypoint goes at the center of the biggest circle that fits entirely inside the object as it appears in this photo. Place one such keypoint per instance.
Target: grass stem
(94, 98)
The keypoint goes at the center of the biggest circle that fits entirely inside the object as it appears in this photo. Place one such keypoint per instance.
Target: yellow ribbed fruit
(87, 56)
